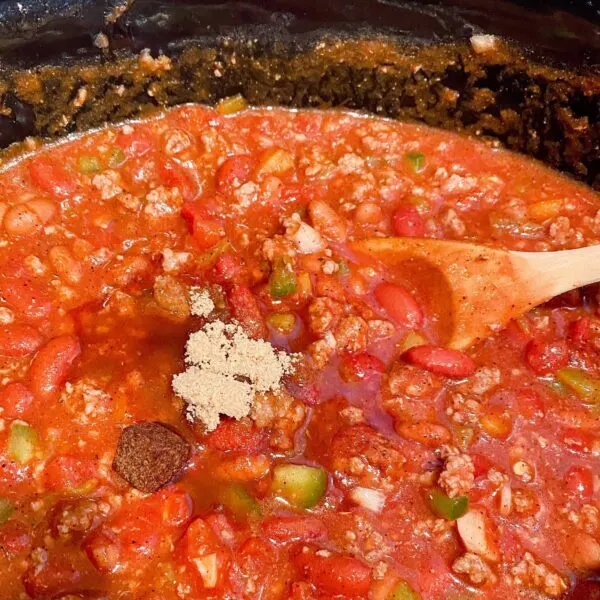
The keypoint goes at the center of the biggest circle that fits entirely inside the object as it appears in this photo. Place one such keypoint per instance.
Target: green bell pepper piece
(88, 164)
(416, 160)
(6, 510)
(403, 591)
(586, 387)
(301, 485)
(282, 282)
(240, 503)
(446, 507)
(22, 442)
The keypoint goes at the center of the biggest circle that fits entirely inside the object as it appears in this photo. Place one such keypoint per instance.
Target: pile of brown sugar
(226, 368)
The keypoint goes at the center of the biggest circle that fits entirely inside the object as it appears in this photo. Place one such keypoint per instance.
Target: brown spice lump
(150, 455)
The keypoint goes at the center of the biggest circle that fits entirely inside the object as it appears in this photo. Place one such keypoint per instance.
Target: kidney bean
(294, 529)
(442, 361)
(428, 434)
(407, 222)
(399, 304)
(51, 578)
(19, 340)
(51, 365)
(21, 220)
(547, 357)
(336, 574)
(15, 400)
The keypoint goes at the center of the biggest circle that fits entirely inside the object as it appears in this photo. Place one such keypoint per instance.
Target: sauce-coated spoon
(484, 288)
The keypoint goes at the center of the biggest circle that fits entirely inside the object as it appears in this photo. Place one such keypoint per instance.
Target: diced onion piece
(307, 240)
(207, 567)
(473, 531)
(505, 499)
(482, 43)
(373, 500)
(275, 161)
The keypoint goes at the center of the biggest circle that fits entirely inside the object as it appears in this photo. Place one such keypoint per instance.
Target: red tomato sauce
(388, 467)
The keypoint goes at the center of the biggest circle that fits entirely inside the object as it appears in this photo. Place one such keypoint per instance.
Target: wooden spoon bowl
(488, 287)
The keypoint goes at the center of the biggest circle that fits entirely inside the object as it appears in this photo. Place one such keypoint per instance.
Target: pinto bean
(44, 209)
(327, 222)
(65, 265)
(243, 468)
(21, 220)
(368, 213)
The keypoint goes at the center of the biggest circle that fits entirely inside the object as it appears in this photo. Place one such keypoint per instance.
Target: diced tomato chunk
(15, 538)
(135, 144)
(205, 556)
(237, 436)
(51, 365)
(26, 296)
(530, 403)
(19, 340)
(55, 576)
(175, 174)
(580, 482)
(204, 229)
(51, 177)
(335, 574)
(176, 506)
(244, 308)
(443, 361)
(580, 330)
(547, 357)
(103, 549)
(256, 559)
(68, 472)
(226, 268)
(481, 464)
(235, 171)
(407, 222)
(290, 529)
(579, 441)
(15, 400)
(399, 304)
(358, 367)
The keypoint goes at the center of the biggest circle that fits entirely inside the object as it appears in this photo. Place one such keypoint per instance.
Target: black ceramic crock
(402, 59)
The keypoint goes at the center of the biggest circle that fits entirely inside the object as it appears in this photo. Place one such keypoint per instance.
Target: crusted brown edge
(546, 113)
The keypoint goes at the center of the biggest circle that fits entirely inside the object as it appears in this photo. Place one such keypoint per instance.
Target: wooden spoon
(487, 287)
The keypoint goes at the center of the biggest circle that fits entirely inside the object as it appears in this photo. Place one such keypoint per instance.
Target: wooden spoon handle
(563, 270)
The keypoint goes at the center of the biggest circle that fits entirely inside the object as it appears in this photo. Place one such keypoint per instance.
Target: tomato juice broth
(102, 238)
